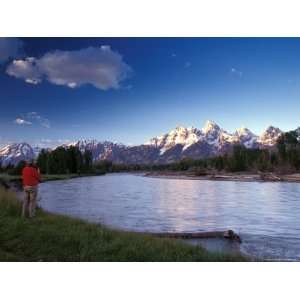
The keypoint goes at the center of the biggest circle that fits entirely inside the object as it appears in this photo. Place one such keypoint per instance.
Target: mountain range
(179, 143)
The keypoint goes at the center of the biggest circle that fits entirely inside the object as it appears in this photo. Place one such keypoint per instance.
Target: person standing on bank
(31, 179)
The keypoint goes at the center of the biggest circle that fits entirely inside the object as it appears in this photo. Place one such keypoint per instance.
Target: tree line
(65, 160)
(59, 161)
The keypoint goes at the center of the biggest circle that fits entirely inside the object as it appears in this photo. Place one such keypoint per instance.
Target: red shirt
(30, 176)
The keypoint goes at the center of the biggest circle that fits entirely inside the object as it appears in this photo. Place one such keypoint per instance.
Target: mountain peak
(210, 126)
(272, 129)
(16, 152)
(180, 128)
(244, 131)
(270, 136)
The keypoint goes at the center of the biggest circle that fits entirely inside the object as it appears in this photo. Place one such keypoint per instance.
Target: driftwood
(228, 234)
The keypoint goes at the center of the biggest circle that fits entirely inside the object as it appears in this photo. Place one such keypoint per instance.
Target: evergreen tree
(88, 161)
(238, 162)
(42, 161)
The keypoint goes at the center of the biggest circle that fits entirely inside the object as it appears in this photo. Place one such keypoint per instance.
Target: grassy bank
(51, 237)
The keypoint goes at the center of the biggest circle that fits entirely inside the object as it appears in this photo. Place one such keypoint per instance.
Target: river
(265, 214)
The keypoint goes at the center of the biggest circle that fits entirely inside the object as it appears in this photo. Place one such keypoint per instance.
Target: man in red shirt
(31, 178)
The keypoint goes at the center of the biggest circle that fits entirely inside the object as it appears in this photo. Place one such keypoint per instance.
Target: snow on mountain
(210, 128)
(179, 136)
(217, 138)
(14, 153)
(211, 133)
(269, 136)
(246, 137)
(82, 144)
(100, 150)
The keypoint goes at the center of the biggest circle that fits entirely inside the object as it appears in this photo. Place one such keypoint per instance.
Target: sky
(128, 90)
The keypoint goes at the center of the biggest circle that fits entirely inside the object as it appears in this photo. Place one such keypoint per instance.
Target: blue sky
(131, 89)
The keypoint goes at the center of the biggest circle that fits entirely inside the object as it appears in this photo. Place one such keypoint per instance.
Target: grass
(50, 237)
(6, 177)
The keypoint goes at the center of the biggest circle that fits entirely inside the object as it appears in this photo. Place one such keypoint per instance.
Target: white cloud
(10, 48)
(32, 118)
(25, 69)
(98, 66)
(21, 121)
(236, 72)
(50, 143)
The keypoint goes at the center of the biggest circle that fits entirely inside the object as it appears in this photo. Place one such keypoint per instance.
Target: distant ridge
(179, 143)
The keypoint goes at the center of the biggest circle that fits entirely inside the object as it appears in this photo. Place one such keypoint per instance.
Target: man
(31, 178)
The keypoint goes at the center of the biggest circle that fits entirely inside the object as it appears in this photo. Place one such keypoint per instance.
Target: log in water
(228, 234)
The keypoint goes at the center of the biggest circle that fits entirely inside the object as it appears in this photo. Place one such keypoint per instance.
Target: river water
(265, 214)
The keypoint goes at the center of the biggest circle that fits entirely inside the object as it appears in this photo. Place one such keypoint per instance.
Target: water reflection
(265, 214)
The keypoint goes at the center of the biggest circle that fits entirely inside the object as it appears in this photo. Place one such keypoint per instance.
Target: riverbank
(244, 177)
(51, 237)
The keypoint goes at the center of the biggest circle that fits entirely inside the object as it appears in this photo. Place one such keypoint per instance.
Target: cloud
(20, 121)
(98, 66)
(10, 48)
(32, 118)
(236, 72)
(25, 69)
(47, 143)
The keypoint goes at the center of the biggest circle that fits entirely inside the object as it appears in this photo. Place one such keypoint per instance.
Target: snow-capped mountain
(179, 143)
(179, 136)
(215, 139)
(14, 153)
(270, 136)
(247, 138)
(100, 150)
(216, 136)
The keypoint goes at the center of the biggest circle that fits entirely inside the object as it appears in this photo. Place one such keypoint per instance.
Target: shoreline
(263, 177)
(214, 244)
(41, 239)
